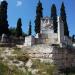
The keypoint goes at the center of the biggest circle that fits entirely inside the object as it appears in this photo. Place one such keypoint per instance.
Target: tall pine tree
(63, 17)
(54, 17)
(3, 18)
(30, 29)
(19, 28)
(39, 15)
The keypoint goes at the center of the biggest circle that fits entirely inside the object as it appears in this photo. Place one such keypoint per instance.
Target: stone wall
(67, 40)
(12, 41)
(62, 57)
(46, 39)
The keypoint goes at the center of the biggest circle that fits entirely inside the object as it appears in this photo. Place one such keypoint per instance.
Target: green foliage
(24, 34)
(63, 17)
(30, 28)
(3, 18)
(39, 15)
(5, 70)
(73, 38)
(12, 31)
(54, 17)
(18, 28)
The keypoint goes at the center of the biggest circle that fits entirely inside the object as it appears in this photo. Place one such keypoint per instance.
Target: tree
(12, 31)
(3, 18)
(63, 17)
(39, 15)
(18, 28)
(54, 17)
(73, 38)
(30, 28)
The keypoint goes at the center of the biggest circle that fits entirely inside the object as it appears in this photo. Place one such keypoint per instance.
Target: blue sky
(26, 9)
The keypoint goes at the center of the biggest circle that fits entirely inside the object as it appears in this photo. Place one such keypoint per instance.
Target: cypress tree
(18, 28)
(73, 38)
(12, 31)
(54, 17)
(39, 15)
(3, 18)
(63, 17)
(30, 28)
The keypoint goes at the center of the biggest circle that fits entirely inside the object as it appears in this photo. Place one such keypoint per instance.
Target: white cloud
(1, 0)
(19, 3)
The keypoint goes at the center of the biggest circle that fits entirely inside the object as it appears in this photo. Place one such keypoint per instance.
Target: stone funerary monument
(47, 35)
(51, 47)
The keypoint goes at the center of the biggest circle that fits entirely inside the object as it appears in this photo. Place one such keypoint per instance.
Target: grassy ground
(40, 68)
(13, 70)
(5, 70)
(43, 68)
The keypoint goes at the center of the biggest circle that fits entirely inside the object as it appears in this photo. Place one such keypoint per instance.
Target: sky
(26, 10)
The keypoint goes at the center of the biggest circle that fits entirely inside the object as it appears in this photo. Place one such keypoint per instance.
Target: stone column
(60, 32)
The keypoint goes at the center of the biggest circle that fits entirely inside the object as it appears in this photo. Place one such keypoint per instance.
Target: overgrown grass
(5, 70)
(44, 68)
(23, 58)
(13, 70)
(2, 49)
(17, 50)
